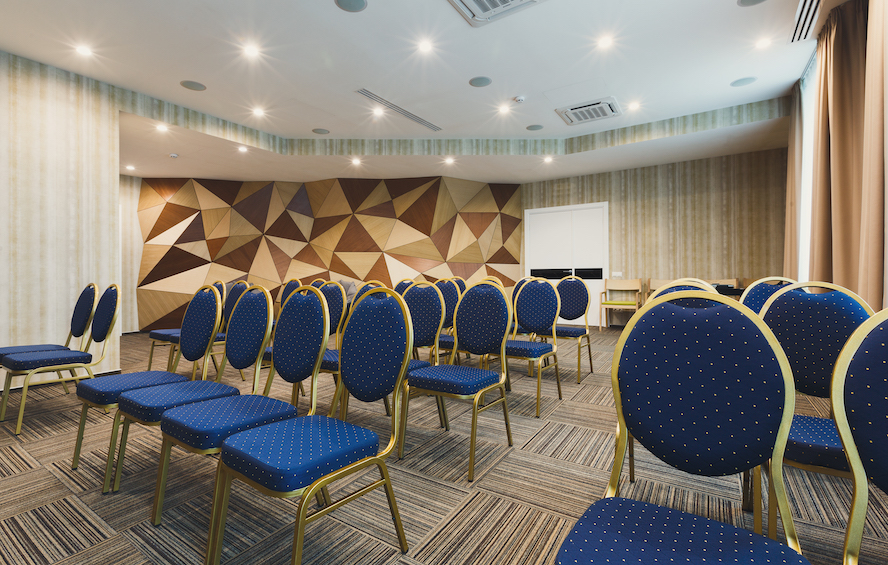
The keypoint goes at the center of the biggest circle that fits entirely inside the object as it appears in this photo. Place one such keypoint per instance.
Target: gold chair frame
(318, 489)
(579, 339)
(766, 280)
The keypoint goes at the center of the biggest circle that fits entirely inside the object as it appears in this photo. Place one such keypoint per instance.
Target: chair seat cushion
(330, 362)
(290, 455)
(445, 342)
(531, 349)
(519, 329)
(414, 364)
(205, 425)
(619, 530)
(37, 359)
(164, 335)
(570, 331)
(453, 379)
(815, 441)
(12, 350)
(149, 404)
(106, 390)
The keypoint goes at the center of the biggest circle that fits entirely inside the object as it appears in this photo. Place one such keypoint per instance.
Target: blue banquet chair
(813, 329)
(299, 457)
(170, 337)
(451, 292)
(403, 285)
(481, 325)
(38, 362)
(761, 290)
(248, 332)
(461, 283)
(290, 286)
(574, 296)
(300, 339)
(336, 302)
(679, 285)
(678, 397)
(199, 328)
(80, 321)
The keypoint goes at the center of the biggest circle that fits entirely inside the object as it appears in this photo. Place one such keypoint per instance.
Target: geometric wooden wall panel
(197, 231)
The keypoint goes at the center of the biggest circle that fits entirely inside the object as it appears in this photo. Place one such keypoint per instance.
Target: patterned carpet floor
(519, 508)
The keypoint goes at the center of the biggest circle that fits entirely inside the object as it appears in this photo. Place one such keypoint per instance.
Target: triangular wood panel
(248, 189)
(322, 225)
(502, 256)
(288, 246)
(421, 214)
(462, 191)
(222, 273)
(380, 272)
(512, 272)
(285, 227)
(400, 187)
(442, 271)
(339, 267)
(151, 256)
(171, 215)
(216, 245)
(212, 217)
(186, 196)
(310, 256)
(357, 190)
(462, 237)
(227, 190)
(502, 193)
(153, 305)
(379, 195)
(402, 234)
(187, 281)
(509, 225)
(445, 209)
(166, 188)
(335, 204)
(507, 281)
(329, 238)
(478, 222)
(471, 254)
(485, 239)
(317, 193)
(223, 228)
(385, 210)
(355, 238)
(301, 203)
(275, 209)
(513, 206)
(482, 202)
(174, 261)
(241, 226)
(171, 320)
(513, 244)
(402, 203)
(424, 249)
(194, 232)
(254, 208)
(239, 255)
(418, 263)
(442, 237)
(465, 270)
(148, 217)
(207, 199)
(303, 222)
(302, 271)
(287, 191)
(398, 270)
(170, 236)
(198, 248)
(380, 229)
(325, 254)
(264, 264)
(149, 198)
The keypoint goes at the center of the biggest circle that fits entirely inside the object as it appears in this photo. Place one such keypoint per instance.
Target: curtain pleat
(793, 186)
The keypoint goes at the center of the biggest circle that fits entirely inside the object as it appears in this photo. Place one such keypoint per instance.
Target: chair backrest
(249, 330)
(700, 282)
(291, 285)
(537, 306)
(450, 292)
(706, 390)
(461, 283)
(622, 284)
(859, 396)
(365, 287)
(680, 285)
(426, 306)
(233, 296)
(403, 285)
(82, 316)
(757, 293)
(813, 329)
(335, 296)
(318, 283)
(201, 324)
(106, 314)
(517, 288)
(220, 288)
(482, 320)
(376, 345)
(574, 297)
(493, 279)
(300, 338)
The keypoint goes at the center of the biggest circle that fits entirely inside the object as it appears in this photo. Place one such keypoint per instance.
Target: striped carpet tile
(584, 446)
(26, 491)
(15, 460)
(603, 418)
(446, 457)
(686, 500)
(592, 394)
(115, 551)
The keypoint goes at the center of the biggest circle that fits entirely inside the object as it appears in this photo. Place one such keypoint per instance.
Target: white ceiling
(675, 58)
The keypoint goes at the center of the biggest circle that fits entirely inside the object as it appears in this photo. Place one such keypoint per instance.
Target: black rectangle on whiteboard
(550, 273)
(592, 274)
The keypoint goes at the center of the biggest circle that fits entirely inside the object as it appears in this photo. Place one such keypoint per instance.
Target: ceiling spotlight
(84, 50)
(425, 46)
(634, 106)
(251, 51)
(762, 43)
(356, 161)
(242, 149)
(378, 111)
(449, 160)
(130, 168)
(605, 42)
(258, 112)
(505, 109)
(162, 127)
(547, 160)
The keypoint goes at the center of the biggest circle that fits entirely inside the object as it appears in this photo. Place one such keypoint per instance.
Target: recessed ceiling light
(449, 160)
(479, 82)
(258, 112)
(762, 43)
(748, 3)
(534, 127)
(425, 46)
(320, 131)
(242, 149)
(743, 81)
(605, 41)
(352, 5)
(162, 127)
(634, 105)
(378, 111)
(251, 51)
(84, 50)
(130, 168)
(547, 160)
(356, 161)
(505, 109)
(193, 85)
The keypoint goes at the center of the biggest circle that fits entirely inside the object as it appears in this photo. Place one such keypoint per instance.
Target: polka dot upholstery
(574, 298)
(453, 379)
(402, 286)
(149, 404)
(815, 441)
(206, 424)
(82, 310)
(445, 342)
(36, 359)
(461, 284)
(292, 454)
(523, 348)
(426, 310)
(760, 293)
(681, 373)
(233, 295)
(317, 283)
(106, 390)
(618, 530)
(570, 331)
(335, 296)
(482, 320)
(373, 346)
(414, 364)
(298, 337)
(450, 292)
(15, 349)
(199, 325)
(516, 289)
(364, 289)
(104, 316)
(247, 327)
(220, 288)
(330, 361)
(813, 328)
(164, 335)
(866, 403)
(536, 307)
(289, 288)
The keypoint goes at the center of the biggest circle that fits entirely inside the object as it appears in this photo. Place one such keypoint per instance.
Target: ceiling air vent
(590, 111)
(806, 17)
(482, 12)
(394, 107)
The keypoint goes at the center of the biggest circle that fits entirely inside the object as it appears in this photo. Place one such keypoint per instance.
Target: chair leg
(112, 448)
(746, 491)
(6, 388)
(243, 376)
(121, 454)
(175, 363)
(269, 381)
(163, 468)
(506, 416)
(442, 412)
(217, 516)
(388, 406)
(631, 459)
(580, 360)
(393, 506)
(589, 350)
(405, 405)
(151, 354)
(539, 387)
(557, 375)
(472, 437)
(757, 499)
(21, 415)
(772, 508)
(64, 384)
(79, 443)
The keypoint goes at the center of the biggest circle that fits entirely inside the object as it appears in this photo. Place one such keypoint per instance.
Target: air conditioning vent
(482, 12)
(590, 111)
(394, 107)
(806, 17)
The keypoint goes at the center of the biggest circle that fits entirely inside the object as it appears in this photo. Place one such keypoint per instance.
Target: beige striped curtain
(793, 186)
(848, 210)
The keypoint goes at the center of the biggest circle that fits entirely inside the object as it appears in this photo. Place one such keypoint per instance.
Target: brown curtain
(793, 186)
(847, 223)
